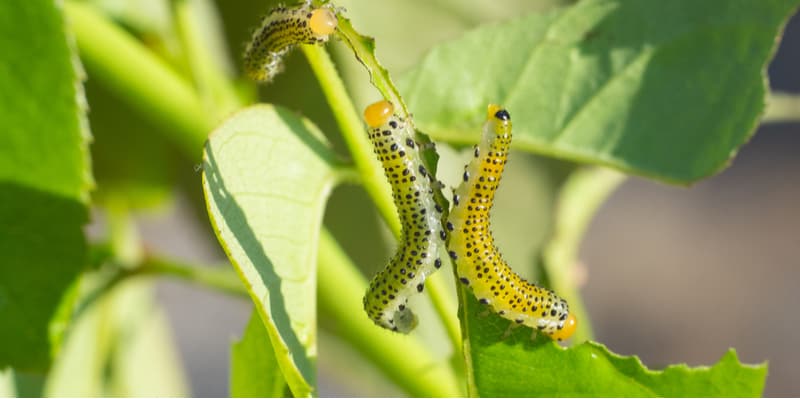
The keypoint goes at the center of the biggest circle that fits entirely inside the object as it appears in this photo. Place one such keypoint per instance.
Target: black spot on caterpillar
(282, 29)
(479, 265)
(422, 235)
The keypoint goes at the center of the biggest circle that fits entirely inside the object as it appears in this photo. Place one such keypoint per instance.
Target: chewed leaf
(267, 174)
(504, 367)
(667, 89)
(363, 48)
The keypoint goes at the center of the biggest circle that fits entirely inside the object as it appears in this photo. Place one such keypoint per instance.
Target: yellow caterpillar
(386, 300)
(479, 265)
(282, 29)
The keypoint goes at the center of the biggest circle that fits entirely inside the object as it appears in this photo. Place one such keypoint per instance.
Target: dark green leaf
(517, 366)
(668, 89)
(44, 178)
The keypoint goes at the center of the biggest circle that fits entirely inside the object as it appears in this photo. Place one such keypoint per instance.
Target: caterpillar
(280, 31)
(479, 265)
(386, 300)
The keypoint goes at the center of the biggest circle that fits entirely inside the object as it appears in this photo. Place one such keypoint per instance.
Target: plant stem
(371, 172)
(220, 278)
(447, 309)
(782, 107)
(348, 175)
(580, 197)
(138, 77)
(402, 358)
(199, 31)
(354, 134)
(125, 241)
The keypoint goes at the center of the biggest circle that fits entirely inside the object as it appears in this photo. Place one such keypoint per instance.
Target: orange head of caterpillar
(322, 22)
(570, 324)
(377, 114)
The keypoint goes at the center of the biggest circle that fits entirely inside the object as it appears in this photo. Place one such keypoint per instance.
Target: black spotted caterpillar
(386, 300)
(282, 29)
(479, 265)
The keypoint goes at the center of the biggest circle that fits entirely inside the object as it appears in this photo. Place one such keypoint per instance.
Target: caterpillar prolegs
(479, 265)
(386, 300)
(282, 29)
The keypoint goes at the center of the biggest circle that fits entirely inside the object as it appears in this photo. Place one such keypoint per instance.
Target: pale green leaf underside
(520, 367)
(121, 346)
(44, 179)
(254, 369)
(667, 89)
(266, 176)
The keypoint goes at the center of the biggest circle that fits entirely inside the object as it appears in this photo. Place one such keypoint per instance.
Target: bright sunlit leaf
(267, 174)
(666, 89)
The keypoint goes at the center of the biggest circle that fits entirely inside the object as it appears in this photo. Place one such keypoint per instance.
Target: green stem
(580, 197)
(221, 278)
(402, 358)
(782, 107)
(348, 175)
(125, 241)
(137, 76)
(447, 309)
(199, 30)
(353, 132)
(372, 176)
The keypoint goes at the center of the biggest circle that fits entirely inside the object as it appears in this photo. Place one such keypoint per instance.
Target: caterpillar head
(378, 113)
(496, 112)
(498, 123)
(566, 331)
(322, 22)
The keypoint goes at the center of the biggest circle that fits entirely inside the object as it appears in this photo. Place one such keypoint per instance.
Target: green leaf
(254, 369)
(44, 178)
(119, 346)
(266, 177)
(144, 360)
(518, 366)
(434, 21)
(363, 48)
(667, 89)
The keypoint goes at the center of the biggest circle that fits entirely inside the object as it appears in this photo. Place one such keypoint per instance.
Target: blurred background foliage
(671, 274)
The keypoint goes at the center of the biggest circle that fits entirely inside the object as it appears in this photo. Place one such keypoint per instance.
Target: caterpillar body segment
(281, 30)
(479, 265)
(386, 300)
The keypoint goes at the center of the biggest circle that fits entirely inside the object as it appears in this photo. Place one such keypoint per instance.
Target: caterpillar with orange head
(479, 265)
(386, 300)
(281, 30)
